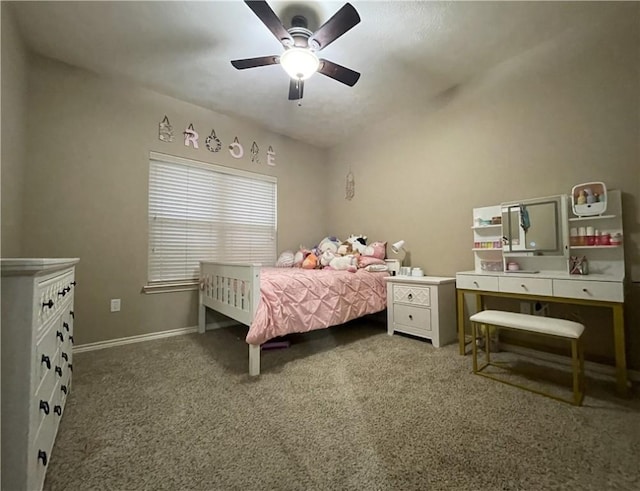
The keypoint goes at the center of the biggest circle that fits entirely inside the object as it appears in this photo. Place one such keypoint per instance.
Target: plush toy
(299, 257)
(310, 262)
(285, 260)
(326, 257)
(345, 263)
(328, 244)
(352, 244)
(376, 249)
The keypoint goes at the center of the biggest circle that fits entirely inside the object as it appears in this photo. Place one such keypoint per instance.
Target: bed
(277, 301)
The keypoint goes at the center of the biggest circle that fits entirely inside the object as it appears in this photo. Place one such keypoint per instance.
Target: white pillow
(285, 260)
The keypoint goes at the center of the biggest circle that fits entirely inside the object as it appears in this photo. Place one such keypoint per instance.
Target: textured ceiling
(407, 52)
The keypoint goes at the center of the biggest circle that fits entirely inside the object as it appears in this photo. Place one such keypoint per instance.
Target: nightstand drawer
(607, 291)
(415, 317)
(477, 282)
(530, 286)
(412, 295)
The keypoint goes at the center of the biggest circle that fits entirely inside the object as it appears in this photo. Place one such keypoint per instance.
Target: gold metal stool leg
(474, 348)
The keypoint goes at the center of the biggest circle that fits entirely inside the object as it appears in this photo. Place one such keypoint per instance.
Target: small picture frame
(588, 199)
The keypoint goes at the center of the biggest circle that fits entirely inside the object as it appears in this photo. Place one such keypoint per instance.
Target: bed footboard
(233, 290)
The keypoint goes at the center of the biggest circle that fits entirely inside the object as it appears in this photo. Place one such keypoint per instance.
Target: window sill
(179, 286)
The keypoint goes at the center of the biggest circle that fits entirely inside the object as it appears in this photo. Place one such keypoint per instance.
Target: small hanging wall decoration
(212, 142)
(254, 153)
(235, 149)
(190, 136)
(271, 156)
(165, 130)
(351, 187)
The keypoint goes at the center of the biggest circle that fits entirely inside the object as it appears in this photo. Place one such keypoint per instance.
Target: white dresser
(37, 339)
(423, 306)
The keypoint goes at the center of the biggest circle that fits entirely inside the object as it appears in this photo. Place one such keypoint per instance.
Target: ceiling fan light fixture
(299, 63)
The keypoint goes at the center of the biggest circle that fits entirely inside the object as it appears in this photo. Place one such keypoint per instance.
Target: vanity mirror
(534, 227)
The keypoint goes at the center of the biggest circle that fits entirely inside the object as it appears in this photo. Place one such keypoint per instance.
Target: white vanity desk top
(554, 275)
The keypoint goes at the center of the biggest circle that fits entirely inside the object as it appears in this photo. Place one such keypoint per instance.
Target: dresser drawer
(529, 286)
(477, 282)
(46, 353)
(589, 290)
(44, 400)
(52, 295)
(415, 318)
(412, 295)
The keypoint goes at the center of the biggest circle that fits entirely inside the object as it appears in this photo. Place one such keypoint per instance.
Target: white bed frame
(233, 289)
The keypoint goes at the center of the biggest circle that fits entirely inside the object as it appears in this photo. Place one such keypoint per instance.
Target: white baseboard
(595, 368)
(110, 343)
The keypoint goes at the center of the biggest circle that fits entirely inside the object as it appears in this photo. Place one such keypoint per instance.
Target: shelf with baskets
(487, 238)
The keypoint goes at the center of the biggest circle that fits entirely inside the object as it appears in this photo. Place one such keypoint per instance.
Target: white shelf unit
(602, 259)
(491, 233)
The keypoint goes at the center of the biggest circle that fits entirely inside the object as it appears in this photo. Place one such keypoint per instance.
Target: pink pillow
(364, 261)
(376, 249)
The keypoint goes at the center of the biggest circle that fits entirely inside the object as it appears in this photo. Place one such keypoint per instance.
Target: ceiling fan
(299, 59)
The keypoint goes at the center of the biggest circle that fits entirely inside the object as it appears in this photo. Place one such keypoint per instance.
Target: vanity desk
(536, 237)
(550, 286)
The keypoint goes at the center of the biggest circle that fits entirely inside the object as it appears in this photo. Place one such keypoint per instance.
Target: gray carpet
(343, 408)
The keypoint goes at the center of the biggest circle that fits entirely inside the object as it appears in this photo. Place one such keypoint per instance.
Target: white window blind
(201, 211)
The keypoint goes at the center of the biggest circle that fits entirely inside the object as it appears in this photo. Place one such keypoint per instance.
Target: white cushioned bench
(548, 326)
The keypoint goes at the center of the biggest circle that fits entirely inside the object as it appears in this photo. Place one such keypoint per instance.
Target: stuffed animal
(328, 244)
(299, 257)
(345, 263)
(326, 257)
(352, 244)
(310, 262)
(285, 260)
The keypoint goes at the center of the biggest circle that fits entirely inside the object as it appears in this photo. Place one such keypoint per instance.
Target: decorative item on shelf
(165, 130)
(398, 248)
(496, 220)
(212, 142)
(513, 266)
(417, 272)
(491, 265)
(405, 271)
(616, 239)
(578, 265)
(589, 199)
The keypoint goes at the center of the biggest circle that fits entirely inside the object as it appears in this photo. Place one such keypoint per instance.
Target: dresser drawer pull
(73, 283)
(476, 284)
(585, 290)
(59, 371)
(59, 335)
(63, 388)
(45, 359)
(42, 455)
(65, 356)
(410, 296)
(71, 366)
(523, 286)
(71, 339)
(62, 293)
(72, 314)
(410, 317)
(58, 410)
(44, 405)
(47, 304)
(66, 326)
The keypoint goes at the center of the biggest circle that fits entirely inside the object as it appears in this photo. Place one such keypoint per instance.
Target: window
(203, 211)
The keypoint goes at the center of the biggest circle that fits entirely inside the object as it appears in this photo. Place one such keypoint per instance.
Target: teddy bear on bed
(345, 263)
(355, 243)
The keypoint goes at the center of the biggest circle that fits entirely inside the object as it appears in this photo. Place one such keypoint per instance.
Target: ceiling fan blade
(295, 89)
(343, 20)
(254, 62)
(338, 72)
(271, 20)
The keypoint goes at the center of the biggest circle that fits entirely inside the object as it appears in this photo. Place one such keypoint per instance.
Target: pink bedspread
(301, 300)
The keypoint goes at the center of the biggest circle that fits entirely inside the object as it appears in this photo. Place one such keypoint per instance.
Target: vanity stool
(547, 326)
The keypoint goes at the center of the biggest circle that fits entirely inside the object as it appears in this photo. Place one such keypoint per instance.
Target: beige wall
(14, 121)
(88, 150)
(535, 126)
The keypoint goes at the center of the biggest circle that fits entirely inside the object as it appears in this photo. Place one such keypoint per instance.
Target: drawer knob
(73, 283)
(44, 405)
(42, 455)
(59, 335)
(410, 296)
(71, 339)
(58, 410)
(47, 304)
(65, 356)
(66, 326)
(45, 359)
(71, 366)
(59, 371)
(72, 314)
(410, 317)
(476, 283)
(585, 290)
(63, 388)
(524, 287)
(62, 292)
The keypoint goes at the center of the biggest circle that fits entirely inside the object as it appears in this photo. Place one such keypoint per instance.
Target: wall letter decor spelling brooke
(235, 149)
(190, 136)
(165, 130)
(212, 142)
(271, 156)
(254, 153)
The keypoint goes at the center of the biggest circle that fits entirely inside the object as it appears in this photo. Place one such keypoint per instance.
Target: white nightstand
(423, 306)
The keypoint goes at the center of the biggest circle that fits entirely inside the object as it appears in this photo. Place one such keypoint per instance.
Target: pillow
(376, 249)
(285, 260)
(376, 268)
(364, 261)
